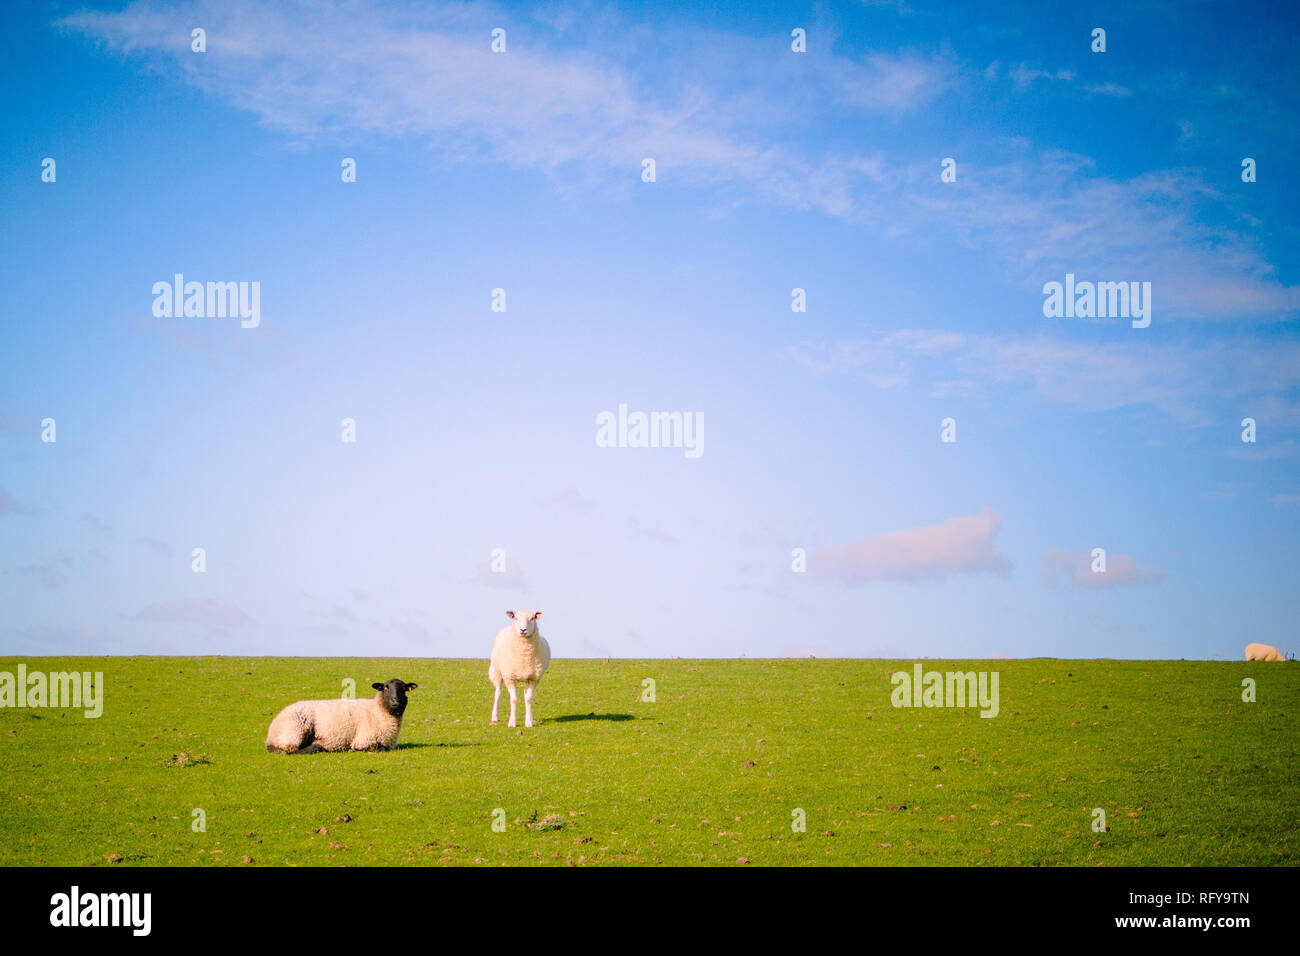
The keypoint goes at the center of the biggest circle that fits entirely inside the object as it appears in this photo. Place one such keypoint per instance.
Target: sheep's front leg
(528, 703)
(514, 700)
(496, 701)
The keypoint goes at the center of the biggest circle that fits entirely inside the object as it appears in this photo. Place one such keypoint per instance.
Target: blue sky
(775, 170)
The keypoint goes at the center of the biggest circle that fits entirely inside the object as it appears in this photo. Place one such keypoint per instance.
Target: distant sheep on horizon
(1263, 652)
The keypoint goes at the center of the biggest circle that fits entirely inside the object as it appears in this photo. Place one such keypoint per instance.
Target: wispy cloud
(46, 574)
(426, 75)
(1109, 89)
(885, 361)
(652, 532)
(90, 521)
(58, 639)
(892, 83)
(1076, 570)
(511, 577)
(1048, 213)
(569, 500)
(209, 612)
(957, 546)
(316, 71)
(1177, 378)
(901, 7)
(161, 548)
(1024, 76)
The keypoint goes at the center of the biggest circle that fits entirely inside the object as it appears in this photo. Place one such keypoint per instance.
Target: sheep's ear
(510, 614)
(536, 615)
(377, 686)
(411, 687)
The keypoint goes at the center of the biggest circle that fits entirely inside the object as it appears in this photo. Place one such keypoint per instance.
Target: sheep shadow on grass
(592, 716)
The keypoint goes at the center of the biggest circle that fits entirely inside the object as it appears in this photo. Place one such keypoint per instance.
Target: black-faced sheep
(311, 726)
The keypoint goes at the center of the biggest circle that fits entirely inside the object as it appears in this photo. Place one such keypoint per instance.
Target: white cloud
(1076, 570)
(893, 82)
(1025, 77)
(1048, 213)
(578, 104)
(957, 546)
(319, 71)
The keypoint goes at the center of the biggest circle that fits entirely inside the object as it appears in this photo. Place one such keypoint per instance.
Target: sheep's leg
(312, 748)
(496, 701)
(528, 703)
(514, 700)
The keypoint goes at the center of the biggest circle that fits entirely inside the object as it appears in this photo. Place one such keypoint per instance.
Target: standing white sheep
(1263, 652)
(310, 726)
(520, 655)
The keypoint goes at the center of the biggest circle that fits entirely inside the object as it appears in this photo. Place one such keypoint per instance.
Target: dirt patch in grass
(187, 760)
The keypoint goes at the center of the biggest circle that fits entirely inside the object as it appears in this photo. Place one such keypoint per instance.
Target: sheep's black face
(394, 693)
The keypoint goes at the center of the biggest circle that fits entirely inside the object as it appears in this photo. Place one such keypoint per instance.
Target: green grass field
(709, 773)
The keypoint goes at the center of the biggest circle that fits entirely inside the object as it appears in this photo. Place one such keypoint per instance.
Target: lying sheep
(519, 655)
(1263, 652)
(311, 726)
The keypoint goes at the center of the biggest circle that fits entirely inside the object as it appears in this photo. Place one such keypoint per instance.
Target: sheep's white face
(525, 622)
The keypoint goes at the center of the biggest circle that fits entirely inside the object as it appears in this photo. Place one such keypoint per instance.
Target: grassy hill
(710, 772)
